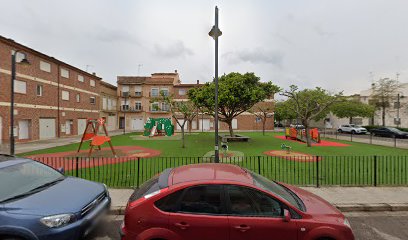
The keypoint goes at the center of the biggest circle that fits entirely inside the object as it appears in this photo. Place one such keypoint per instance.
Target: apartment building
(109, 97)
(137, 94)
(52, 98)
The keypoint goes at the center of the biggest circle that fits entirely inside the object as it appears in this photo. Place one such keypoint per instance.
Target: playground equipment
(286, 147)
(96, 140)
(158, 127)
(300, 134)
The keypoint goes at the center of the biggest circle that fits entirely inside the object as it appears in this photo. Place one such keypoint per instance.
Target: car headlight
(347, 223)
(106, 189)
(59, 220)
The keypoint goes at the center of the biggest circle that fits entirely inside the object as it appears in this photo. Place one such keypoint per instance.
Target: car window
(169, 203)
(250, 202)
(204, 199)
(148, 187)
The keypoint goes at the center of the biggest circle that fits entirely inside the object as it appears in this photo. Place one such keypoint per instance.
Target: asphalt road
(366, 226)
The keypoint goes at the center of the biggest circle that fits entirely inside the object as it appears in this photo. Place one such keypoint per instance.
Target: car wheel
(340, 131)
(353, 132)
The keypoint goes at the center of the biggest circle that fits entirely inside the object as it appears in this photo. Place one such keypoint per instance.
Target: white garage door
(234, 124)
(47, 128)
(81, 125)
(23, 129)
(204, 124)
(137, 124)
(111, 123)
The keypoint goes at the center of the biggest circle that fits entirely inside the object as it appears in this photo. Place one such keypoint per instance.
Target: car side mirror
(61, 170)
(286, 215)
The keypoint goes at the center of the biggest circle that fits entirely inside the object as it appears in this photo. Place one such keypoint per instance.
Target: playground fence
(127, 172)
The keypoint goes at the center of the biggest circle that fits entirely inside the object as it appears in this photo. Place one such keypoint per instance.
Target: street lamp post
(13, 76)
(215, 33)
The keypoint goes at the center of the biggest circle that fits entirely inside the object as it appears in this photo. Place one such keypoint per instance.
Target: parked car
(38, 202)
(297, 126)
(351, 128)
(222, 201)
(389, 132)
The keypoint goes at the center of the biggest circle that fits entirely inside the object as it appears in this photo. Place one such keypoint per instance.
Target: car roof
(209, 172)
(8, 160)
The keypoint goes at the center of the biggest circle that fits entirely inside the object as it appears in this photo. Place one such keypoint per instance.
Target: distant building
(109, 106)
(52, 98)
(136, 93)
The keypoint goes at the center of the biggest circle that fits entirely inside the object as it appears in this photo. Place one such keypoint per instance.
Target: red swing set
(96, 140)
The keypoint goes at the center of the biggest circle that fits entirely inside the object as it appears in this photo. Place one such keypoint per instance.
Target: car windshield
(25, 178)
(277, 189)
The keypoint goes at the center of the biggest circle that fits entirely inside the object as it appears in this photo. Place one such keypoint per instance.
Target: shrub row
(371, 127)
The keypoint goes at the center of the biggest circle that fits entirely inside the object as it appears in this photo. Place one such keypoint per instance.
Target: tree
(186, 109)
(283, 112)
(237, 93)
(263, 111)
(310, 104)
(384, 92)
(352, 108)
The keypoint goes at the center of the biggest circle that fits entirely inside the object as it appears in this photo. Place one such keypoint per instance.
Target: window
(20, 87)
(138, 91)
(39, 90)
(104, 103)
(169, 203)
(65, 95)
(78, 97)
(64, 73)
(165, 107)
(249, 202)
(125, 105)
(234, 123)
(92, 100)
(110, 104)
(92, 83)
(202, 200)
(164, 91)
(138, 106)
(182, 92)
(44, 66)
(155, 107)
(155, 92)
(81, 78)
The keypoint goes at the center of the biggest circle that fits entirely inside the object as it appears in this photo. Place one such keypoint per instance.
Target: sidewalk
(49, 143)
(347, 199)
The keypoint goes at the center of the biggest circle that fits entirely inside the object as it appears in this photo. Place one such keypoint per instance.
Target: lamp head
(215, 32)
(23, 58)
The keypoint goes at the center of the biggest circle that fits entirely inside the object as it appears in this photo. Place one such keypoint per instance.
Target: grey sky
(333, 44)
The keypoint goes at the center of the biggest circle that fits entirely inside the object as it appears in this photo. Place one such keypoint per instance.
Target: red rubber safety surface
(323, 143)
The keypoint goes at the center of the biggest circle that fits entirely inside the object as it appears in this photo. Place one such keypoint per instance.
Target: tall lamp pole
(13, 76)
(215, 33)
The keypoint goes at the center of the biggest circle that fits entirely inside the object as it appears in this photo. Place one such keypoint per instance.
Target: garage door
(81, 125)
(111, 123)
(137, 124)
(47, 128)
(204, 124)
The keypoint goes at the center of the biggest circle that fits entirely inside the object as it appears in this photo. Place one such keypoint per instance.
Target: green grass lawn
(352, 165)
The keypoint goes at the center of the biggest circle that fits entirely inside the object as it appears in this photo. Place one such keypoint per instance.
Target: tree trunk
(263, 126)
(383, 116)
(231, 131)
(182, 137)
(307, 129)
(351, 120)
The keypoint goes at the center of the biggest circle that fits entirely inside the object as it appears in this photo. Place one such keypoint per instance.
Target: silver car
(351, 128)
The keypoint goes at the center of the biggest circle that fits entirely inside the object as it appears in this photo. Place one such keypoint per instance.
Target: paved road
(366, 226)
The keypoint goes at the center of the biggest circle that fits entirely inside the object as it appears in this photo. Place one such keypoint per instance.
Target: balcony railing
(138, 94)
(159, 110)
(127, 108)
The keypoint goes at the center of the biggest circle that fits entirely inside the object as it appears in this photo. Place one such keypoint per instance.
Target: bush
(371, 127)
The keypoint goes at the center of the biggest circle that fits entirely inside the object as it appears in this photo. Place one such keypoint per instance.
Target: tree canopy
(352, 108)
(237, 93)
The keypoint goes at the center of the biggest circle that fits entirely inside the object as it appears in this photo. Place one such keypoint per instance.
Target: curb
(355, 207)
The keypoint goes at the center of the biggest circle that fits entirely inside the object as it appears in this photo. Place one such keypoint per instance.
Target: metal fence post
(76, 166)
(375, 171)
(395, 141)
(371, 138)
(351, 136)
(138, 172)
(317, 172)
(259, 164)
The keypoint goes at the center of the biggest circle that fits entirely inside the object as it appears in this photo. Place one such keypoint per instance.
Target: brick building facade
(135, 97)
(109, 106)
(52, 98)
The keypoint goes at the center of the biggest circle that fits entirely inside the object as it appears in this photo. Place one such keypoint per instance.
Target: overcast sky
(333, 44)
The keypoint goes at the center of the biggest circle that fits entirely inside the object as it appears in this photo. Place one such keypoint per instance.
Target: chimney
(175, 71)
(94, 73)
(198, 82)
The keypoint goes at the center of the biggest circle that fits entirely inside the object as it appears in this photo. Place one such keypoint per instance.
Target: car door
(200, 214)
(255, 215)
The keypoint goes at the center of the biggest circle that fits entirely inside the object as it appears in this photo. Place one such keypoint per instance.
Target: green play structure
(158, 126)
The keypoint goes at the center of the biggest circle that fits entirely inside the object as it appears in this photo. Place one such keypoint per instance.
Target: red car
(227, 202)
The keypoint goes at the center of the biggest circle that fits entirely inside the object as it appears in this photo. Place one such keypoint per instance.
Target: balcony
(155, 110)
(138, 94)
(127, 108)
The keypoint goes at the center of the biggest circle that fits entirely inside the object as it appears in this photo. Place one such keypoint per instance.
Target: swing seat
(99, 140)
(88, 136)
